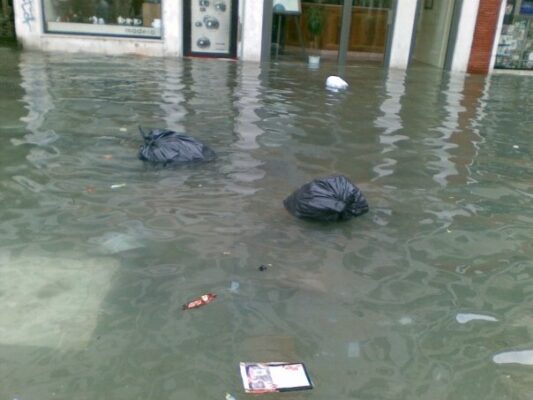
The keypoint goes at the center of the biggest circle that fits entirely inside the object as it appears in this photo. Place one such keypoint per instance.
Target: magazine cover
(274, 377)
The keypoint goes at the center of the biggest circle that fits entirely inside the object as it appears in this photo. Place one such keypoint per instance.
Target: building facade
(144, 27)
(456, 35)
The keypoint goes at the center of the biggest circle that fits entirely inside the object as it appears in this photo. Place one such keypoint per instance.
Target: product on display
(515, 47)
(211, 22)
(203, 43)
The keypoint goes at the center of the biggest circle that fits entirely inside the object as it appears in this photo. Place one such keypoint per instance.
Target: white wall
(173, 27)
(100, 45)
(402, 34)
(252, 30)
(28, 22)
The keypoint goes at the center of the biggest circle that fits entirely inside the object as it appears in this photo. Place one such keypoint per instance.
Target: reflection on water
(425, 297)
(391, 121)
(449, 125)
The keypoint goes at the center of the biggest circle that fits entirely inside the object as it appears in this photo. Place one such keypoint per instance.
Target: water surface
(428, 296)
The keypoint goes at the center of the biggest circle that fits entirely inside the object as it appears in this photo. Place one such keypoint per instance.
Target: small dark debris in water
(263, 267)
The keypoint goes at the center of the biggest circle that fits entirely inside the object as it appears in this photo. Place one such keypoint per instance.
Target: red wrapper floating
(200, 301)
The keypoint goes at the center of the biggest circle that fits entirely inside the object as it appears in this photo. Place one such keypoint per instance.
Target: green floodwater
(428, 296)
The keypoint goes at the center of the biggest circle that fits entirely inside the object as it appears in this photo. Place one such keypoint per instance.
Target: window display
(138, 18)
(515, 49)
(210, 27)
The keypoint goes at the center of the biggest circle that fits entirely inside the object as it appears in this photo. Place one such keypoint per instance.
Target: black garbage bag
(165, 146)
(334, 198)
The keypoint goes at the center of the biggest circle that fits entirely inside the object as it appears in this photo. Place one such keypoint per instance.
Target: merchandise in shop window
(211, 22)
(515, 48)
(203, 43)
(526, 8)
(220, 6)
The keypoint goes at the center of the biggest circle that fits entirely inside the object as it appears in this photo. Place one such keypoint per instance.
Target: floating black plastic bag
(333, 198)
(165, 146)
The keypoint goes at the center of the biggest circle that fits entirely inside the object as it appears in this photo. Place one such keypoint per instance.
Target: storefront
(515, 46)
(394, 33)
(207, 28)
(375, 30)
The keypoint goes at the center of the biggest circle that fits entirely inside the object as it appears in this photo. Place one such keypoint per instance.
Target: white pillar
(465, 36)
(497, 36)
(28, 22)
(251, 30)
(402, 35)
(172, 13)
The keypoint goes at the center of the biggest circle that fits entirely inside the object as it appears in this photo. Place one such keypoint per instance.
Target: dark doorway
(7, 20)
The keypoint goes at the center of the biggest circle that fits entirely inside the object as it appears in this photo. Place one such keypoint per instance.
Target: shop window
(368, 32)
(137, 18)
(515, 49)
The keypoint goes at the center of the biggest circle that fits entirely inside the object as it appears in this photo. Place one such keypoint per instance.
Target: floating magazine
(274, 377)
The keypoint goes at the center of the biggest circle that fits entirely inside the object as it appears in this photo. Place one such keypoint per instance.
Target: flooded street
(427, 296)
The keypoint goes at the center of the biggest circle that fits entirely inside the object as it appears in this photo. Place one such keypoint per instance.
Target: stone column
(402, 35)
(251, 29)
(172, 14)
(28, 22)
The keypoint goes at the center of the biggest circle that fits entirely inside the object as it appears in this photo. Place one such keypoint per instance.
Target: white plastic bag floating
(524, 357)
(464, 318)
(336, 83)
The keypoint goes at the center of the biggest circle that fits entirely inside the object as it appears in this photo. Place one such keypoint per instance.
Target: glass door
(321, 23)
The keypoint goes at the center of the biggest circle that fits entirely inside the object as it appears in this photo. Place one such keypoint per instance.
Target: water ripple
(424, 297)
